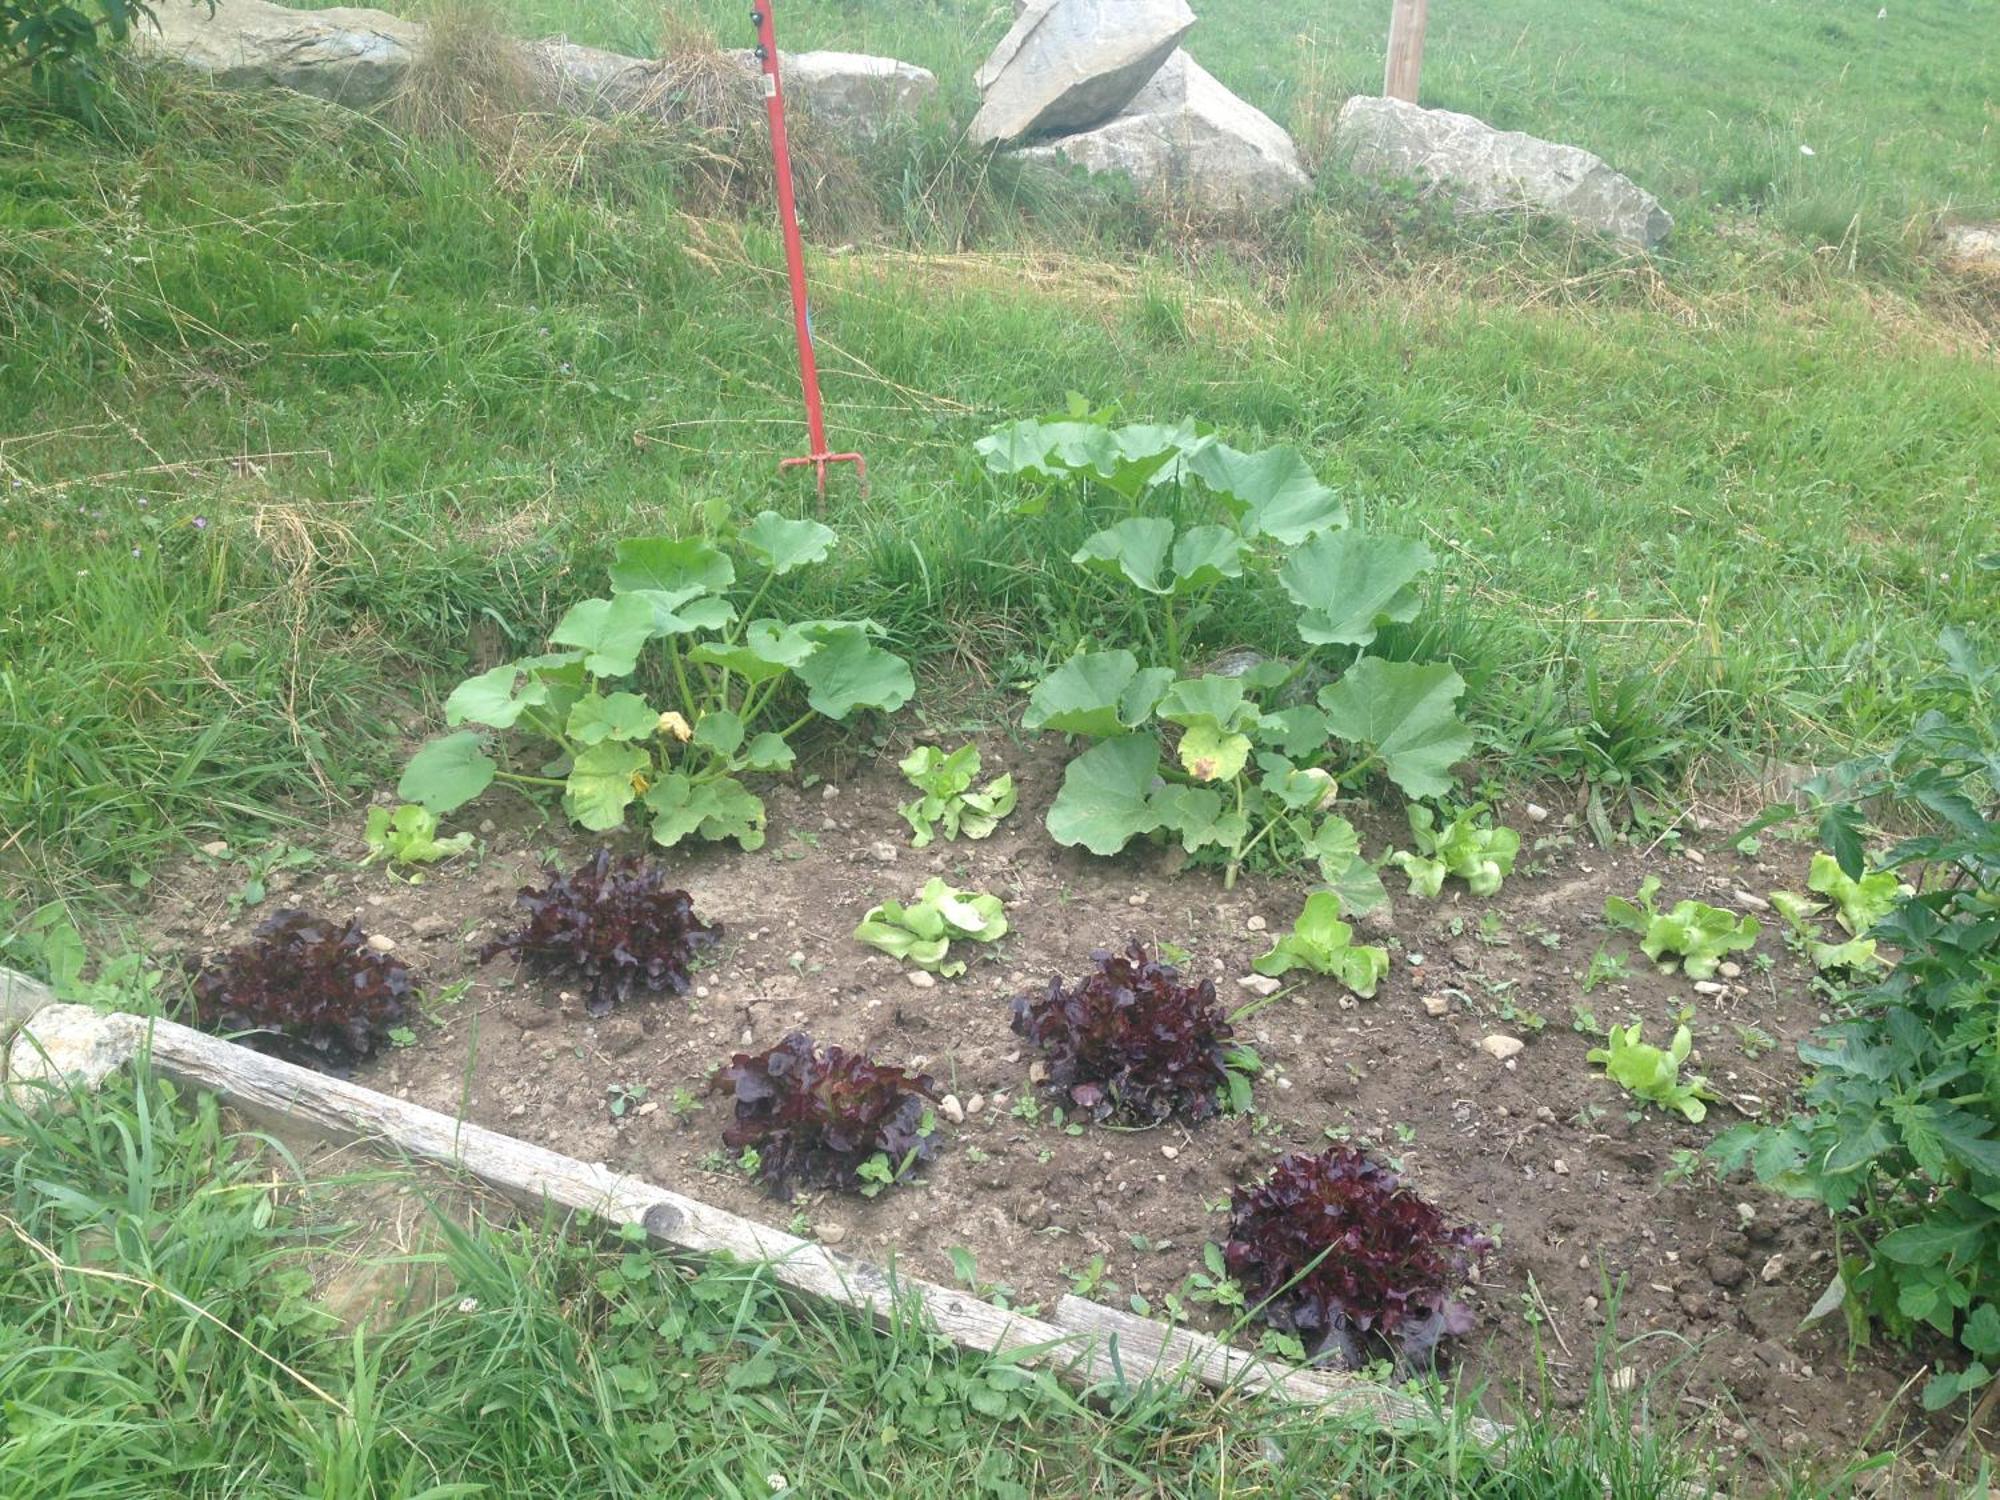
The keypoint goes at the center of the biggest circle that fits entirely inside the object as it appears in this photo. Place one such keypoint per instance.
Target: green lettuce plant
(1470, 846)
(947, 798)
(1654, 1073)
(1858, 904)
(1800, 913)
(923, 931)
(408, 836)
(1321, 942)
(1700, 935)
(664, 694)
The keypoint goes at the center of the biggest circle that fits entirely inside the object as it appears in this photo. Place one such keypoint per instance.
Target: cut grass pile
(162, 1332)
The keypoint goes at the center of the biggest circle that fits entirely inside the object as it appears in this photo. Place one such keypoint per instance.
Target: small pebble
(1694, 856)
(1729, 970)
(975, 1104)
(381, 942)
(1437, 1005)
(1710, 987)
(951, 1109)
(828, 792)
(651, 1106)
(701, 992)
(1502, 1047)
(1255, 924)
(923, 979)
(487, 825)
(1754, 902)
(1773, 1270)
(1536, 812)
(1038, 1073)
(883, 852)
(1546, 1115)
(1559, 1167)
(1260, 984)
(1170, 1152)
(829, 1234)
(216, 849)
(1138, 898)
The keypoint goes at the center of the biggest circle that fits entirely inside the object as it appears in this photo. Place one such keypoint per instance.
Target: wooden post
(1095, 1347)
(1406, 49)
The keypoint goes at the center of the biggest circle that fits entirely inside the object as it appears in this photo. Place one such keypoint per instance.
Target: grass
(165, 1329)
(302, 415)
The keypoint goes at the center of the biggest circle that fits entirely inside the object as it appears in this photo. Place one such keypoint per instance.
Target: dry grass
(473, 84)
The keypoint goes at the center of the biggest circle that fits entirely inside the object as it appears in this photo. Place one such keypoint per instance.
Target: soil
(1540, 1150)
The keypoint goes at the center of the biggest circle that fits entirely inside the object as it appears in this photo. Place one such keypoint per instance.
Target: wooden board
(1090, 1345)
(1404, 65)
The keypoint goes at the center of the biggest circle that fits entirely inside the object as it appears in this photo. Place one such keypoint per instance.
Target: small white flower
(1807, 151)
(468, 1305)
(777, 1482)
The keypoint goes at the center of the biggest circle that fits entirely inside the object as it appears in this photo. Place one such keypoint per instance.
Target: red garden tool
(795, 261)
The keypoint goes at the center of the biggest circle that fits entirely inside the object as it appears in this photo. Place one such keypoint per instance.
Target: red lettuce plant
(1134, 1040)
(304, 988)
(1387, 1263)
(608, 929)
(828, 1118)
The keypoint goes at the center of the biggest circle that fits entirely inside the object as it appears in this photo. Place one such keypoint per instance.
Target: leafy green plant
(1800, 913)
(1898, 1133)
(1470, 846)
(1321, 942)
(1654, 1073)
(61, 44)
(730, 681)
(408, 836)
(1699, 934)
(1229, 762)
(923, 931)
(1859, 904)
(948, 799)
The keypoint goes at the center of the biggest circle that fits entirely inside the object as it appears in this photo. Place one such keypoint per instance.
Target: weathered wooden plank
(1404, 65)
(1090, 1345)
(1145, 1348)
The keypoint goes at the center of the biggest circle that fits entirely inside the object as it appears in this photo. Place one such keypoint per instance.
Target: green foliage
(1230, 763)
(1321, 942)
(923, 931)
(1699, 934)
(408, 836)
(1470, 846)
(61, 45)
(1898, 1134)
(1800, 913)
(1654, 1073)
(729, 681)
(948, 799)
(1859, 904)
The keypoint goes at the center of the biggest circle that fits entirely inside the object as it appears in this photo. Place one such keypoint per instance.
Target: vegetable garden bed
(1583, 1192)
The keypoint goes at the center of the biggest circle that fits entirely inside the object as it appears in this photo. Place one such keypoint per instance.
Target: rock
(1255, 924)
(1500, 1048)
(923, 979)
(1262, 985)
(975, 1104)
(1038, 1073)
(1973, 247)
(216, 848)
(1187, 138)
(1437, 1005)
(951, 1109)
(67, 1047)
(1536, 812)
(354, 57)
(1484, 171)
(381, 942)
(1727, 1271)
(1710, 987)
(1171, 1153)
(1729, 970)
(851, 93)
(1559, 1167)
(1071, 64)
(431, 926)
(1750, 900)
(829, 1234)
(1773, 1270)
(882, 852)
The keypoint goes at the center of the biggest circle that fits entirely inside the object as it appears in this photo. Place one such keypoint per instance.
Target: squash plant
(724, 685)
(1233, 765)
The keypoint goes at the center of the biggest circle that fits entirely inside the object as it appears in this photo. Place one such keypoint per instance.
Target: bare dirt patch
(1540, 1150)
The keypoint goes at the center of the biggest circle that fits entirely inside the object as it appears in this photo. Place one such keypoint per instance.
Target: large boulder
(1187, 137)
(1071, 64)
(1482, 170)
(351, 56)
(852, 93)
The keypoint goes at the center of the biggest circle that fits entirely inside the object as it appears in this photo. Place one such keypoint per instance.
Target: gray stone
(353, 56)
(851, 93)
(1070, 64)
(1186, 137)
(65, 1047)
(1973, 247)
(1484, 171)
